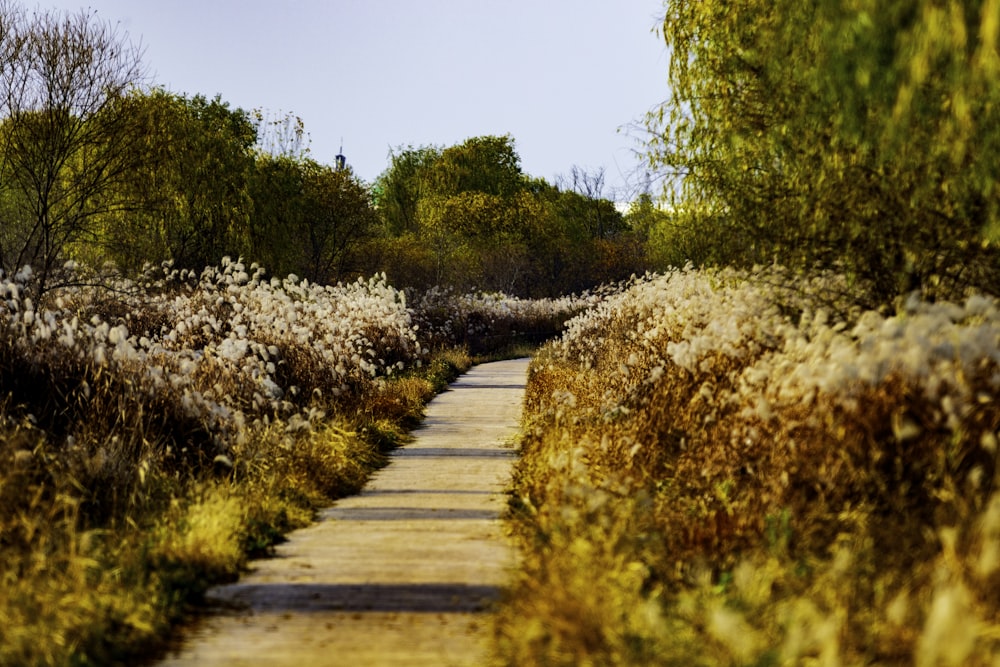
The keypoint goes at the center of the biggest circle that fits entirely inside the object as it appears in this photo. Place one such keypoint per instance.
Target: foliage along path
(402, 573)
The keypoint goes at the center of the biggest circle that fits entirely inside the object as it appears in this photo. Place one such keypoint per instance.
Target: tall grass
(154, 434)
(491, 323)
(742, 468)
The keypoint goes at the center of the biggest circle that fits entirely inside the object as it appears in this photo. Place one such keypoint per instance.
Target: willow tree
(190, 198)
(399, 189)
(860, 136)
(339, 219)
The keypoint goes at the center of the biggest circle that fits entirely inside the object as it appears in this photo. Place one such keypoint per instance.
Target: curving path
(400, 574)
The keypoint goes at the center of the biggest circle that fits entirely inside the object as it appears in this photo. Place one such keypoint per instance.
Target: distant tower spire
(341, 160)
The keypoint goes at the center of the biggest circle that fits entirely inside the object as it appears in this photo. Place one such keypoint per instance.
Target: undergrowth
(154, 435)
(727, 468)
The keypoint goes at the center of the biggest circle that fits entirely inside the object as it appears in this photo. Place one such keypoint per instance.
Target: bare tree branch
(66, 130)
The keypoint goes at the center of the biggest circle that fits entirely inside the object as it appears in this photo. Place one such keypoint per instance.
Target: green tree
(277, 188)
(310, 219)
(67, 138)
(467, 216)
(487, 164)
(859, 136)
(191, 199)
(584, 194)
(471, 212)
(400, 187)
(339, 218)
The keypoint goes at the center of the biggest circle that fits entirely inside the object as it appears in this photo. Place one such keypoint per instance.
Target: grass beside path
(82, 587)
(401, 573)
(727, 468)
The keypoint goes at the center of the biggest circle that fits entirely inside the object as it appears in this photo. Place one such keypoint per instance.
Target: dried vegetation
(155, 434)
(725, 467)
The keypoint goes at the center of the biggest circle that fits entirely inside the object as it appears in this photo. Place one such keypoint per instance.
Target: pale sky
(565, 78)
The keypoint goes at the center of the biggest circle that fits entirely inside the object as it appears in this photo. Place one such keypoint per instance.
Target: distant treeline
(858, 140)
(98, 167)
(467, 216)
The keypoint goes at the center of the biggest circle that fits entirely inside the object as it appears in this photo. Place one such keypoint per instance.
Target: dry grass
(155, 435)
(492, 325)
(717, 471)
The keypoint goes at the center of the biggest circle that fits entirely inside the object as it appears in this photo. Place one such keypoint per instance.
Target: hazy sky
(565, 78)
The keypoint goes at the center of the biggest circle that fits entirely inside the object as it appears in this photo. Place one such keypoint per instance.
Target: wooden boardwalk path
(402, 574)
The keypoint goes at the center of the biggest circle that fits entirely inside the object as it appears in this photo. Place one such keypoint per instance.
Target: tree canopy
(67, 138)
(190, 197)
(860, 136)
(97, 166)
(466, 215)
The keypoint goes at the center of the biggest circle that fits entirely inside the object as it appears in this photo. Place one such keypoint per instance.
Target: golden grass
(153, 438)
(708, 478)
(106, 593)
